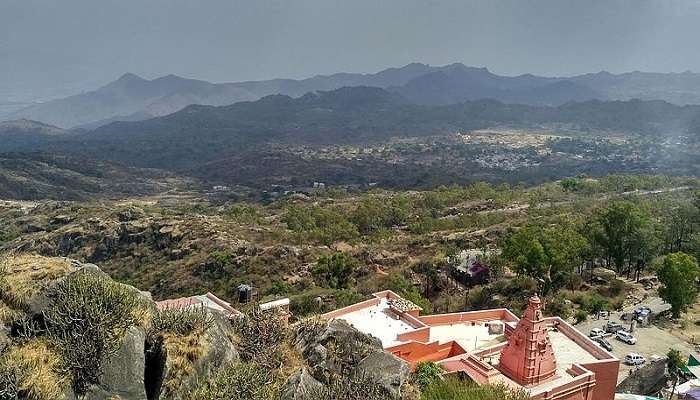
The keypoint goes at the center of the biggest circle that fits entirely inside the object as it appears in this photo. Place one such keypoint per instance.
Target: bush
(32, 370)
(557, 306)
(427, 373)
(181, 321)
(352, 387)
(306, 304)
(580, 316)
(319, 224)
(454, 389)
(260, 334)
(88, 317)
(335, 271)
(243, 381)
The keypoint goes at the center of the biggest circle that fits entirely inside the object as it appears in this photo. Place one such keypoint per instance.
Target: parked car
(612, 327)
(595, 332)
(642, 313)
(634, 359)
(624, 336)
(603, 343)
(642, 309)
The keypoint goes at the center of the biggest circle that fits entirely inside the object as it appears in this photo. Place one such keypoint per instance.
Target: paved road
(651, 341)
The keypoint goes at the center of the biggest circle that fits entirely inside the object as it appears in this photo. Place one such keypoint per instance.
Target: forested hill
(355, 115)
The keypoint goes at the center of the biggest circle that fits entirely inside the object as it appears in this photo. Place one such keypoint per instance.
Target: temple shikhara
(545, 356)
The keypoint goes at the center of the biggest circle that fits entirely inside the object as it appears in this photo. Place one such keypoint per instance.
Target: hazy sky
(57, 47)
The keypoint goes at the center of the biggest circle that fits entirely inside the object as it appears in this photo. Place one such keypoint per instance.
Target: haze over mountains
(132, 98)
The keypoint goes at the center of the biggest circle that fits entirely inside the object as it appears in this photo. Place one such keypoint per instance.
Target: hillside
(40, 176)
(364, 135)
(132, 98)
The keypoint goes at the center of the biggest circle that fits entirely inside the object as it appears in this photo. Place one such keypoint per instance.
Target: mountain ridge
(133, 98)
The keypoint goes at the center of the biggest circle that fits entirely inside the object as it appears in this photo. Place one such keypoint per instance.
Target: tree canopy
(678, 274)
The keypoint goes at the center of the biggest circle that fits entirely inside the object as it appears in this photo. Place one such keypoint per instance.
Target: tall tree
(678, 274)
(675, 362)
(621, 226)
(547, 254)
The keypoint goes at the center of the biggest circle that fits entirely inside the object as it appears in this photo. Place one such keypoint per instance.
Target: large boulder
(301, 386)
(332, 351)
(123, 372)
(176, 364)
(336, 351)
(386, 370)
(645, 380)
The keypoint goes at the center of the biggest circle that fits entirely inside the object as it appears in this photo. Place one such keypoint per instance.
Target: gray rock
(645, 380)
(4, 337)
(219, 353)
(386, 370)
(301, 386)
(123, 373)
(334, 350)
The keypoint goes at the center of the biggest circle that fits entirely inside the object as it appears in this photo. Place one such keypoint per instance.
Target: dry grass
(38, 368)
(23, 276)
(183, 352)
(8, 315)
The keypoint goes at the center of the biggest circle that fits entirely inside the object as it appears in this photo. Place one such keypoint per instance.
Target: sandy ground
(651, 340)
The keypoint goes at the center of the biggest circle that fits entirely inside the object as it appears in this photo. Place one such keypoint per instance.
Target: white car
(634, 359)
(595, 332)
(626, 337)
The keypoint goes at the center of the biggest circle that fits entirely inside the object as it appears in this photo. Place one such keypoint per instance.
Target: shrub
(335, 271)
(260, 335)
(306, 304)
(352, 387)
(32, 370)
(557, 306)
(427, 373)
(88, 317)
(242, 213)
(243, 381)
(454, 389)
(181, 321)
(580, 316)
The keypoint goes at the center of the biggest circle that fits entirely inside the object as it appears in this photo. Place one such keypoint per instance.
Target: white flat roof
(468, 336)
(567, 352)
(380, 322)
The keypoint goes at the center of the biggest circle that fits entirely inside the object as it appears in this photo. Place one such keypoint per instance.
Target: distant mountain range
(197, 135)
(132, 98)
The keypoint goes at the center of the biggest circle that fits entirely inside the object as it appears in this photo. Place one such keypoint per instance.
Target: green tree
(335, 271)
(548, 255)
(678, 274)
(621, 225)
(675, 362)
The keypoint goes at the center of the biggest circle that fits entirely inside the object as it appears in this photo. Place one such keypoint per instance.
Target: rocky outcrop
(645, 380)
(337, 350)
(301, 386)
(385, 369)
(175, 365)
(123, 372)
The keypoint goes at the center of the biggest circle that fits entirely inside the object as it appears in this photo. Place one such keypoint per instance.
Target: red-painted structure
(546, 357)
(528, 358)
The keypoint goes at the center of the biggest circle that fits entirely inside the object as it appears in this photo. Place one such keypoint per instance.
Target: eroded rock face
(387, 370)
(301, 386)
(646, 379)
(165, 377)
(123, 372)
(337, 351)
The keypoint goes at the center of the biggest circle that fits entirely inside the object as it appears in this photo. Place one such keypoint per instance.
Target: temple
(544, 356)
